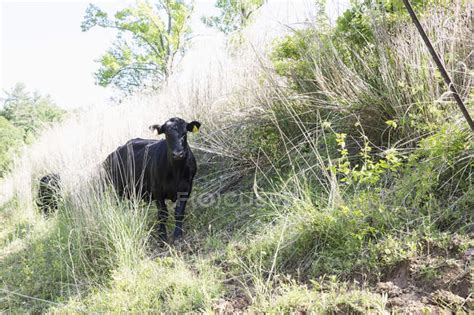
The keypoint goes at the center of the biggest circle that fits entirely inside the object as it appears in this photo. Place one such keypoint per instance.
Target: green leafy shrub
(438, 179)
(364, 69)
(355, 26)
(371, 170)
(290, 57)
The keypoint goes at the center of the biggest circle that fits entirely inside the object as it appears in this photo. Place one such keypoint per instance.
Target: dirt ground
(438, 282)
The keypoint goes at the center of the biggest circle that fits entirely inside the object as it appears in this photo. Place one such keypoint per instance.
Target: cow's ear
(193, 126)
(159, 129)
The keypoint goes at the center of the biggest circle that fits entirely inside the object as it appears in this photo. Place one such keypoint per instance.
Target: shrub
(376, 71)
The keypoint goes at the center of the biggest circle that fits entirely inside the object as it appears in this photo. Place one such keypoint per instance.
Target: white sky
(42, 45)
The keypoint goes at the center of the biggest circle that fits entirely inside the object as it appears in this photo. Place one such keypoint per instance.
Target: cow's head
(175, 130)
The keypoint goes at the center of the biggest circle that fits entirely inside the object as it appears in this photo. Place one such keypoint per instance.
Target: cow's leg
(179, 214)
(162, 216)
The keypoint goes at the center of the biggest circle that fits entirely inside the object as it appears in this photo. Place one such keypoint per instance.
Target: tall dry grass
(94, 232)
(258, 137)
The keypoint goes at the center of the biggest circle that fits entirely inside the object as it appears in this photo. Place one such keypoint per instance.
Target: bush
(378, 74)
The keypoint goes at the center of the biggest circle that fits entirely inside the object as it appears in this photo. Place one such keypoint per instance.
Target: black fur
(156, 170)
(49, 193)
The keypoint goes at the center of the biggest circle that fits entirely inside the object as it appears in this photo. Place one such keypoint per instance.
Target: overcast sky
(42, 44)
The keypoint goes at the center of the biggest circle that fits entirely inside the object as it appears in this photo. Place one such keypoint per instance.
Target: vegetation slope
(335, 175)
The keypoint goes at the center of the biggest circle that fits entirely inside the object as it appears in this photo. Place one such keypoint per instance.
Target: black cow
(157, 170)
(49, 193)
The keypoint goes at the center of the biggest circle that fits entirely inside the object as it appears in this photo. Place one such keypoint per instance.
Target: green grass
(332, 297)
(319, 194)
(161, 285)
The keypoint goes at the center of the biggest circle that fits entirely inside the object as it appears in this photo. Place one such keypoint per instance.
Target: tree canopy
(29, 112)
(10, 138)
(22, 117)
(149, 39)
(234, 14)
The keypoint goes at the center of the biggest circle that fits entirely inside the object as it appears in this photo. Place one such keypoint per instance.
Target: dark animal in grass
(155, 170)
(49, 193)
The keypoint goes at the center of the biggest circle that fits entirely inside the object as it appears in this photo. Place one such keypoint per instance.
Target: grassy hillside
(335, 175)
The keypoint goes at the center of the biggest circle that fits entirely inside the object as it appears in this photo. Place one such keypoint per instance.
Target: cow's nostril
(178, 156)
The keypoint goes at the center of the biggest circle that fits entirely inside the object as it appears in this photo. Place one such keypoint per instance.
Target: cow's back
(129, 167)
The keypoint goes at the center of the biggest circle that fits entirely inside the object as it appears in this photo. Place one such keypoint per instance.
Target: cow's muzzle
(178, 156)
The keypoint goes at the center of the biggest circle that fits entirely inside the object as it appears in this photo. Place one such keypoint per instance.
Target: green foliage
(356, 169)
(323, 298)
(370, 171)
(234, 15)
(11, 139)
(289, 57)
(165, 286)
(364, 66)
(150, 38)
(439, 175)
(30, 112)
(355, 25)
(22, 118)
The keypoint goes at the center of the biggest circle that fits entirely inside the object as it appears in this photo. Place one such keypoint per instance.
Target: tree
(234, 14)
(11, 138)
(149, 39)
(29, 112)
(354, 25)
(22, 118)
